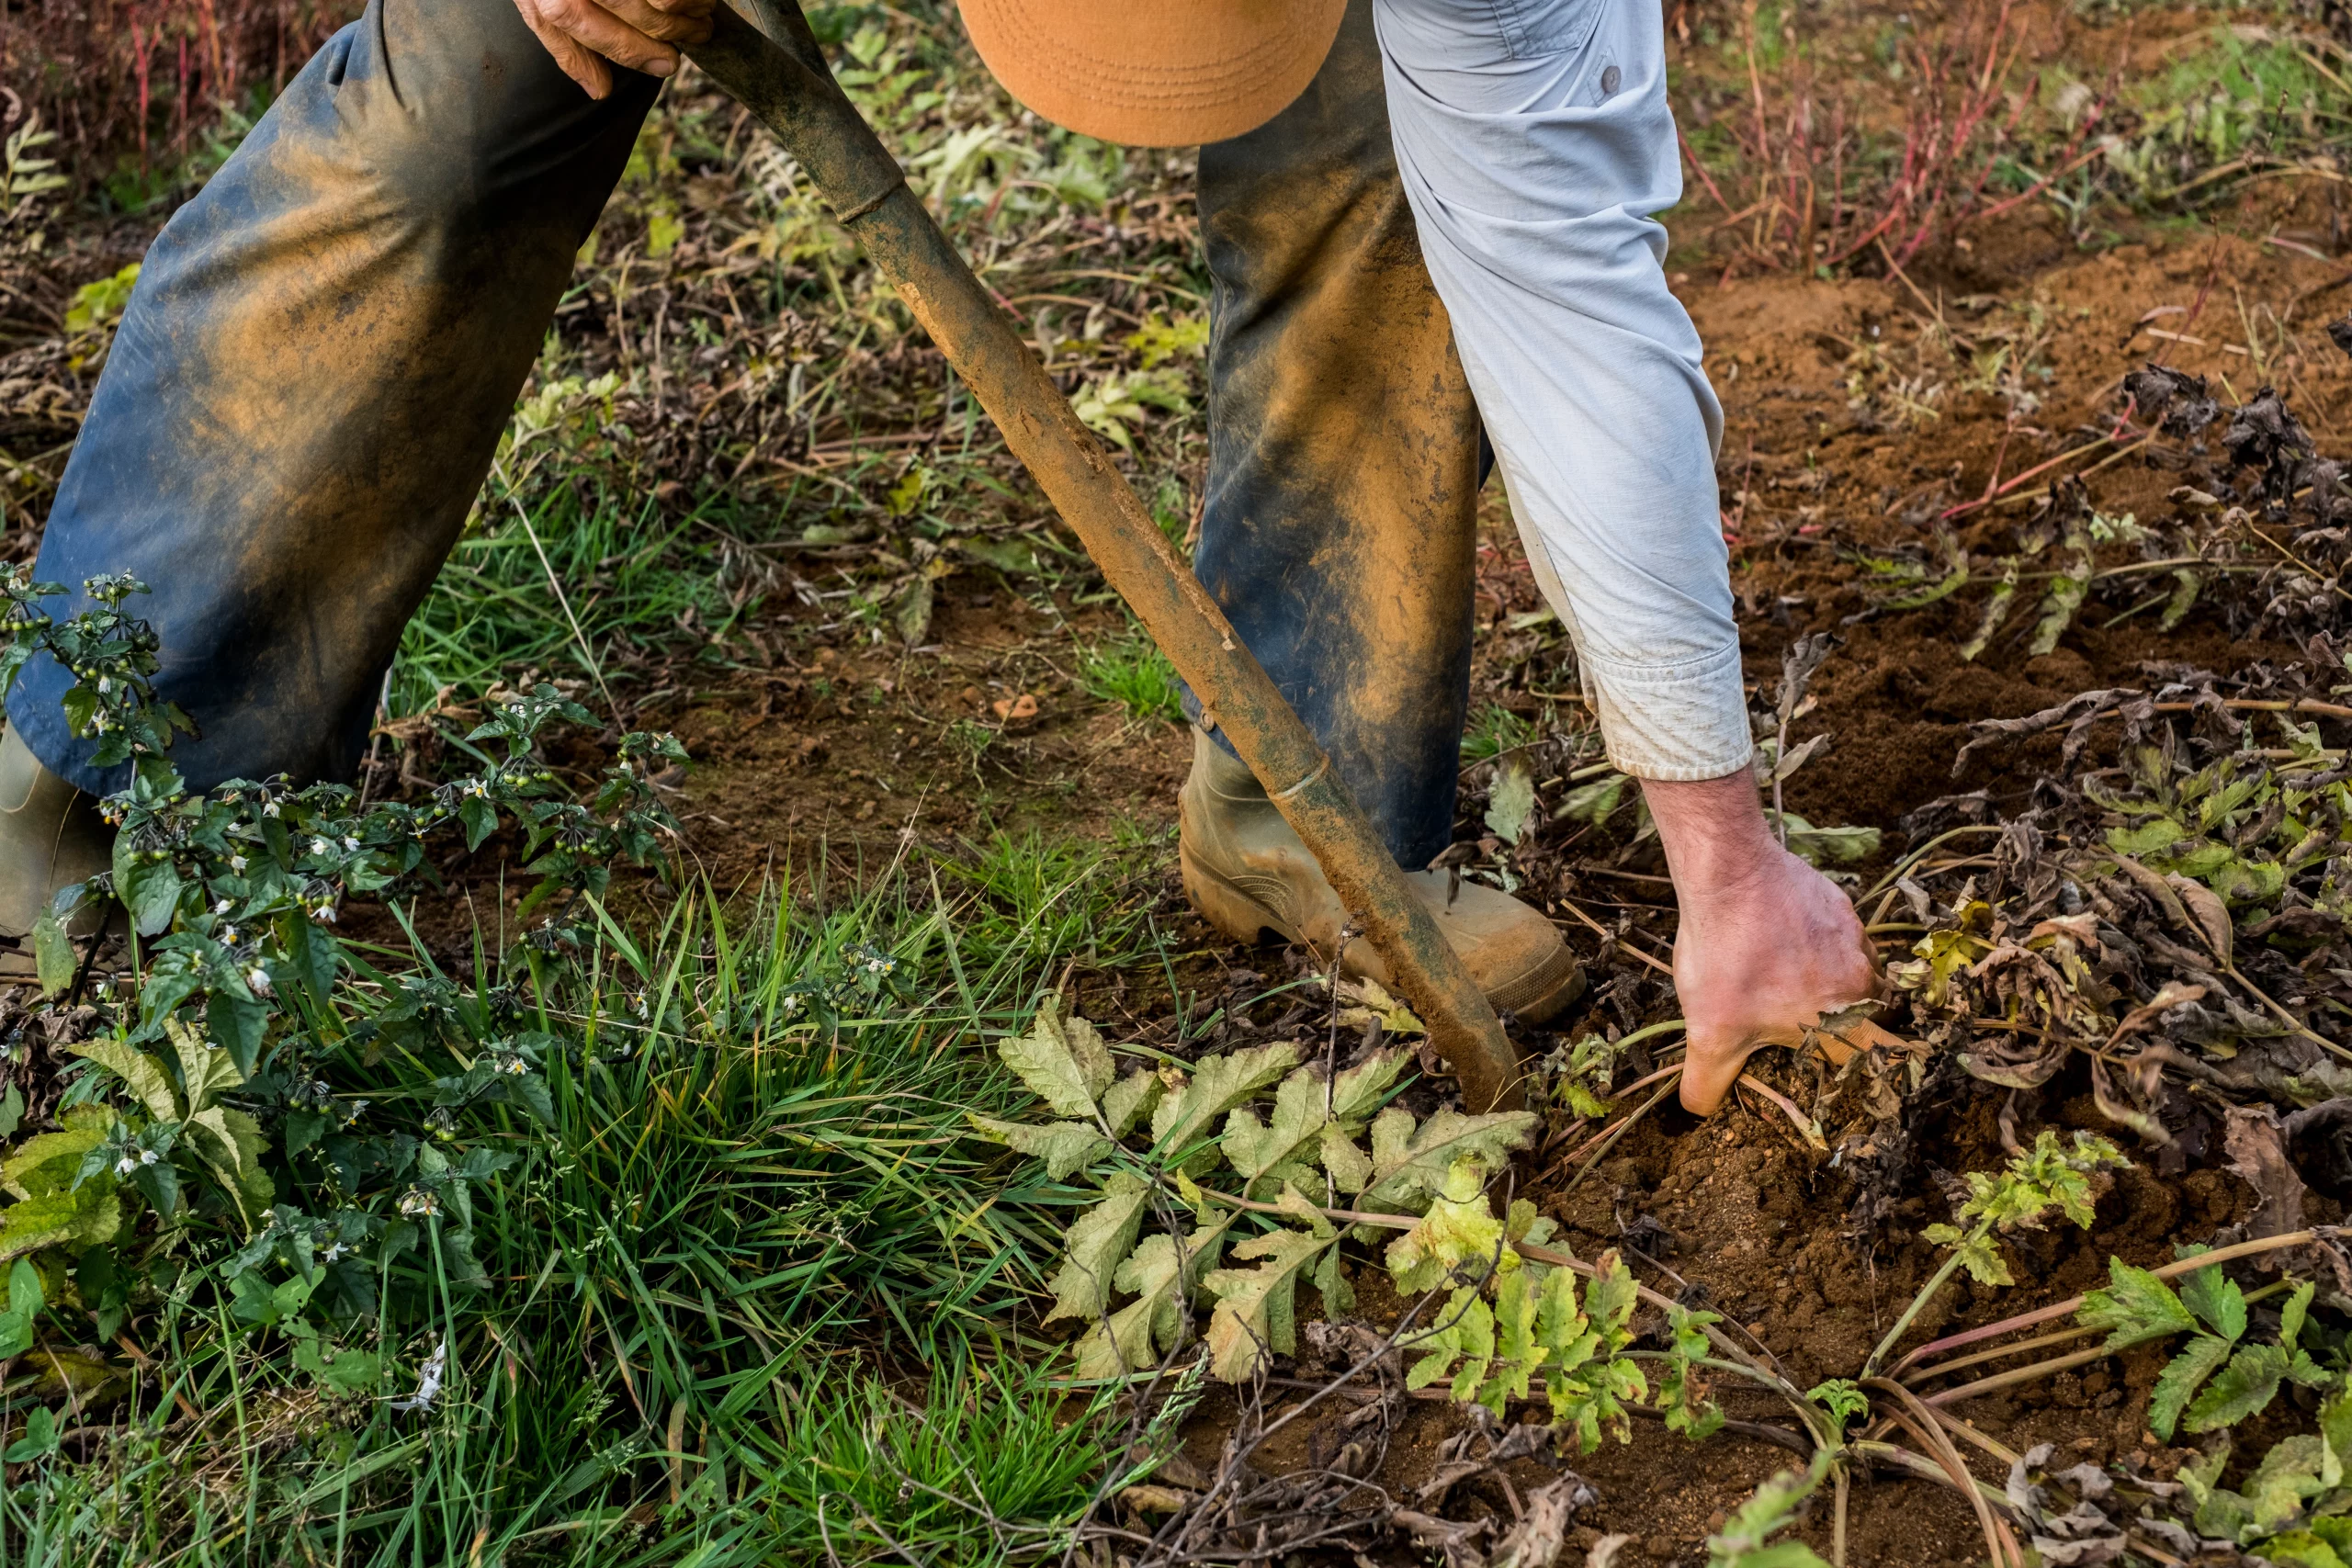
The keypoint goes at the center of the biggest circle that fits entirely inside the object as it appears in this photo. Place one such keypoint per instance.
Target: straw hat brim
(1167, 74)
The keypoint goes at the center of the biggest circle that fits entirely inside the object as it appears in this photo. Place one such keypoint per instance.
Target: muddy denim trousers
(310, 379)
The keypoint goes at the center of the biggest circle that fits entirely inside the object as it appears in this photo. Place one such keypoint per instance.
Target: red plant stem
(1699, 169)
(2064, 1308)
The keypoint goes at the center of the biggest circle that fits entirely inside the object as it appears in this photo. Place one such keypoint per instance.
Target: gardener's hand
(1766, 944)
(589, 37)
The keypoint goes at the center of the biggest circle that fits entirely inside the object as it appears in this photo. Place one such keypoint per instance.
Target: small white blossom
(257, 980)
(125, 1166)
(270, 809)
(106, 684)
(335, 1250)
(148, 1156)
(320, 846)
(229, 935)
(324, 912)
(237, 864)
(515, 1067)
(223, 906)
(428, 1381)
(350, 844)
(416, 1203)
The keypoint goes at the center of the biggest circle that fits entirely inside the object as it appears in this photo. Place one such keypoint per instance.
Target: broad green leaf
(205, 1070)
(54, 961)
(1130, 1100)
(143, 1076)
(1097, 1243)
(2135, 1306)
(1411, 1163)
(2246, 1385)
(229, 1141)
(23, 1310)
(1065, 1146)
(2300, 1549)
(1459, 1231)
(1218, 1085)
(47, 1162)
(1062, 1061)
(348, 1371)
(2215, 1297)
(1257, 1308)
(2179, 1379)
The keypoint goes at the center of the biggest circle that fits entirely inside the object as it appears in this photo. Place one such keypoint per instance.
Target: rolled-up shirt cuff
(1675, 722)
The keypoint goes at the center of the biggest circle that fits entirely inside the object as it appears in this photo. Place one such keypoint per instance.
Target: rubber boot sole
(1532, 998)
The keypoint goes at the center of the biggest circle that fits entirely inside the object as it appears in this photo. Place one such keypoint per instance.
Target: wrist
(1714, 831)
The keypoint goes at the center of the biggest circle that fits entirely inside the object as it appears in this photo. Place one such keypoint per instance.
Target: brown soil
(844, 750)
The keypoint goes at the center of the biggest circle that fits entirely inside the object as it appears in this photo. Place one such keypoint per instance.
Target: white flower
(358, 1109)
(125, 1166)
(148, 1156)
(320, 846)
(514, 1066)
(270, 809)
(229, 936)
(428, 1381)
(224, 905)
(237, 864)
(257, 980)
(417, 1202)
(324, 912)
(350, 844)
(104, 685)
(335, 1250)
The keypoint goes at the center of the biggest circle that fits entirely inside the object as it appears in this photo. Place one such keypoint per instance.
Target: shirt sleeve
(1536, 148)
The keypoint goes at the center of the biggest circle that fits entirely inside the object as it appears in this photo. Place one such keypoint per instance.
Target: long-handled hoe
(771, 63)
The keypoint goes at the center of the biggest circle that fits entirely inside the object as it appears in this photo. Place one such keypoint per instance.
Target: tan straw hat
(1155, 73)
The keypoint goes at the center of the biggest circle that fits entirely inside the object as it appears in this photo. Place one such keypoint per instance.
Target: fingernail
(660, 67)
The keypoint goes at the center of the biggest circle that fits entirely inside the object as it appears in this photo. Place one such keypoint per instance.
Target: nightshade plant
(209, 1104)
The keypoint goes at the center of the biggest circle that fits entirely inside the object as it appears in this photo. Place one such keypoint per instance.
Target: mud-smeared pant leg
(309, 384)
(1338, 529)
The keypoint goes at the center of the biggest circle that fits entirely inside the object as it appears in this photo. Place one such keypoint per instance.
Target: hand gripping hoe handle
(773, 67)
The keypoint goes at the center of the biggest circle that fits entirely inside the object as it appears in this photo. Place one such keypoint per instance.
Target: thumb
(1710, 1066)
(1713, 1061)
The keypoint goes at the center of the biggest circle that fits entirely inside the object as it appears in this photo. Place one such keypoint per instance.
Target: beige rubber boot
(1246, 871)
(51, 835)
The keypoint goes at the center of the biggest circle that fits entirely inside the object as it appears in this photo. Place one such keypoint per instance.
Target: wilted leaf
(1510, 804)
(1459, 1230)
(1257, 1308)
(1064, 1063)
(1132, 1098)
(1065, 1146)
(1134, 1337)
(143, 1076)
(1410, 1162)
(1095, 1247)
(1218, 1085)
